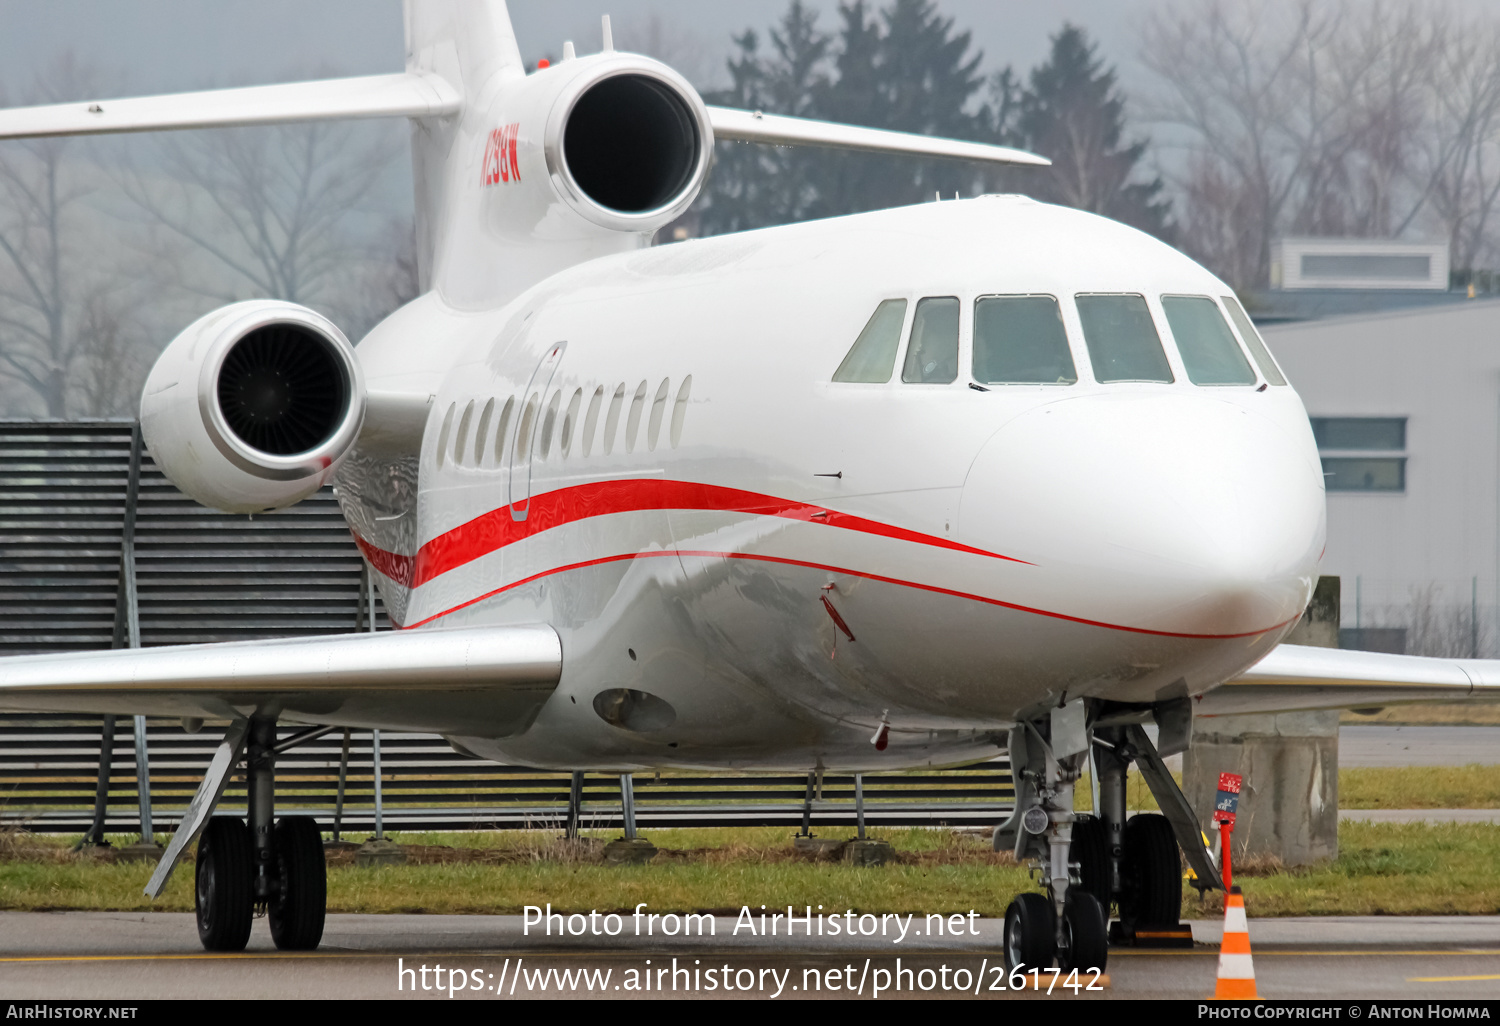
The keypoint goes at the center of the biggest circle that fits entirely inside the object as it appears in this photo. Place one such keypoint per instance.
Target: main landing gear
(278, 867)
(1089, 863)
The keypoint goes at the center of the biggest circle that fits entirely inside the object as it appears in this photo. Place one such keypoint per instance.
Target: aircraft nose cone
(1184, 513)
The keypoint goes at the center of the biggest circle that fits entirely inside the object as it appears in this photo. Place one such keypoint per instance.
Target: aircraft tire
(223, 882)
(1090, 849)
(1085, 933)
(297, 910)
(1030, 933)
(1150, 872)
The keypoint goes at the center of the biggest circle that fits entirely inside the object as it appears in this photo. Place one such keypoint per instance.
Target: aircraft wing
(412, 94)
(419, 94)
(487, 681)
(775, 130)
(1297, 677)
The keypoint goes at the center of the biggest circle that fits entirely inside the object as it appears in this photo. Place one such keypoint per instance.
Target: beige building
(1406, 409)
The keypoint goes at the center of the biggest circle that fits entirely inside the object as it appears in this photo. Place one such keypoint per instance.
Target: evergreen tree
(909, 71)
(753, 186)
(1073, 114)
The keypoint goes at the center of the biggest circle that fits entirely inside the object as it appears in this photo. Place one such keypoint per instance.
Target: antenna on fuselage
(609, 36)
(568, 52)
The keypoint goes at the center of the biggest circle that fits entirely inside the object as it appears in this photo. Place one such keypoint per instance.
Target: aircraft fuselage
(752, 564)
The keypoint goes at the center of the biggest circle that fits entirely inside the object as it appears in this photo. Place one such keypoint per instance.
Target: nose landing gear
(1090, 863)
(1068, 925)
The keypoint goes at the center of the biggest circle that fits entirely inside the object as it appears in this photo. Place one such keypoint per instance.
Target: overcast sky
(144, 46)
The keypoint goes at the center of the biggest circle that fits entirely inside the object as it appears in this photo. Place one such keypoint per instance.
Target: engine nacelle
(253, 406)
(586, 158)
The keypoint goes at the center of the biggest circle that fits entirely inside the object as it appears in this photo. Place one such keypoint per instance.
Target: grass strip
(1382, 869)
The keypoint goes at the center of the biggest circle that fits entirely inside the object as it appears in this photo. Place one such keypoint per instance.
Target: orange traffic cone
(1236, 971)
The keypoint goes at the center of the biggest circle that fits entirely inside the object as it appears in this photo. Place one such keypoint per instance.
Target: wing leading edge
(1296, 677)
(413, 680)
(422, 94)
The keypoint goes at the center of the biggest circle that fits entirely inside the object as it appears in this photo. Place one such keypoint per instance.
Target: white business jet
(893, 490)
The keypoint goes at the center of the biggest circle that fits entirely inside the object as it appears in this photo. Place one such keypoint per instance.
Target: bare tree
(1459, 156)
(65, 332)
(1317, 117)
(264, 212)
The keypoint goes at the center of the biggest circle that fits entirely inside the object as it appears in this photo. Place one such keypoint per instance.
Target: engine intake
(282, 389)
(253, 406)
(642, 117)
(627, 141)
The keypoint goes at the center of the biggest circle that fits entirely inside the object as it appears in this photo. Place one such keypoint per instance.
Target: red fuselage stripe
(497, 529)
(852, 573)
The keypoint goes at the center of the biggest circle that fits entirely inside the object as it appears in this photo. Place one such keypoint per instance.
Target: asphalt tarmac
(117, 956)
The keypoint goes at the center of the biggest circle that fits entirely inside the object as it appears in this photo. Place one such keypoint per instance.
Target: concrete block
(141, 851)
(379, 853)
(869, 853)
(819, 849)
(629, 851)
(1289, 808)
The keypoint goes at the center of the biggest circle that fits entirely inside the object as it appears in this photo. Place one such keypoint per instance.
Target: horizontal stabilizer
(1297, 677)
(413, 94)
(390, 678)
(753, 126)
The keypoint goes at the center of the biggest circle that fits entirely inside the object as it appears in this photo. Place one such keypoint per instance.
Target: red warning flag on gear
(1227, 802)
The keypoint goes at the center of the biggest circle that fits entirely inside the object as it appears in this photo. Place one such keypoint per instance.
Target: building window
(1346, 474)
(1348, 446)
(1382, 434)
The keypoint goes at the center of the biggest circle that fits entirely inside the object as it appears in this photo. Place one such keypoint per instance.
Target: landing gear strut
(1070, 924)
(277, 866)
(1089, 863)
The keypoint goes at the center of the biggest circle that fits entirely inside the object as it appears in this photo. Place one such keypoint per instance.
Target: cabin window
(482, 432)
(679, 409)
(461, 439)
(524, 428)
(1021, 340)
(565, 444)
(502, 427)
(872, 358)
(658, 410)
(1254, 341)
(932, 356)
(1122, 339)
(549, 424)
(1207, 346)
(612, 419)
(443, 433)
(633, 421)
(591, 421)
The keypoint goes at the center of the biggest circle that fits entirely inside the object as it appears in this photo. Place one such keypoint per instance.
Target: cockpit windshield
(932, 356)
(1021, 340)
(1209, 351)
(1122, 339)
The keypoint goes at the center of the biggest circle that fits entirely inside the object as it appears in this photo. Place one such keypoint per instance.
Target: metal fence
(99, 550)
(48, 766)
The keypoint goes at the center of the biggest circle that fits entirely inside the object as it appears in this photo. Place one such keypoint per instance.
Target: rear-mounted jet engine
(253, 406)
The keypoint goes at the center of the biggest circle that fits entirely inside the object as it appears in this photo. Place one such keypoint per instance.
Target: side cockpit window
(1208, 349)
(932, 356)
(1254, 341)
(1122, 340)
(872, 358)
(1021, 340)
